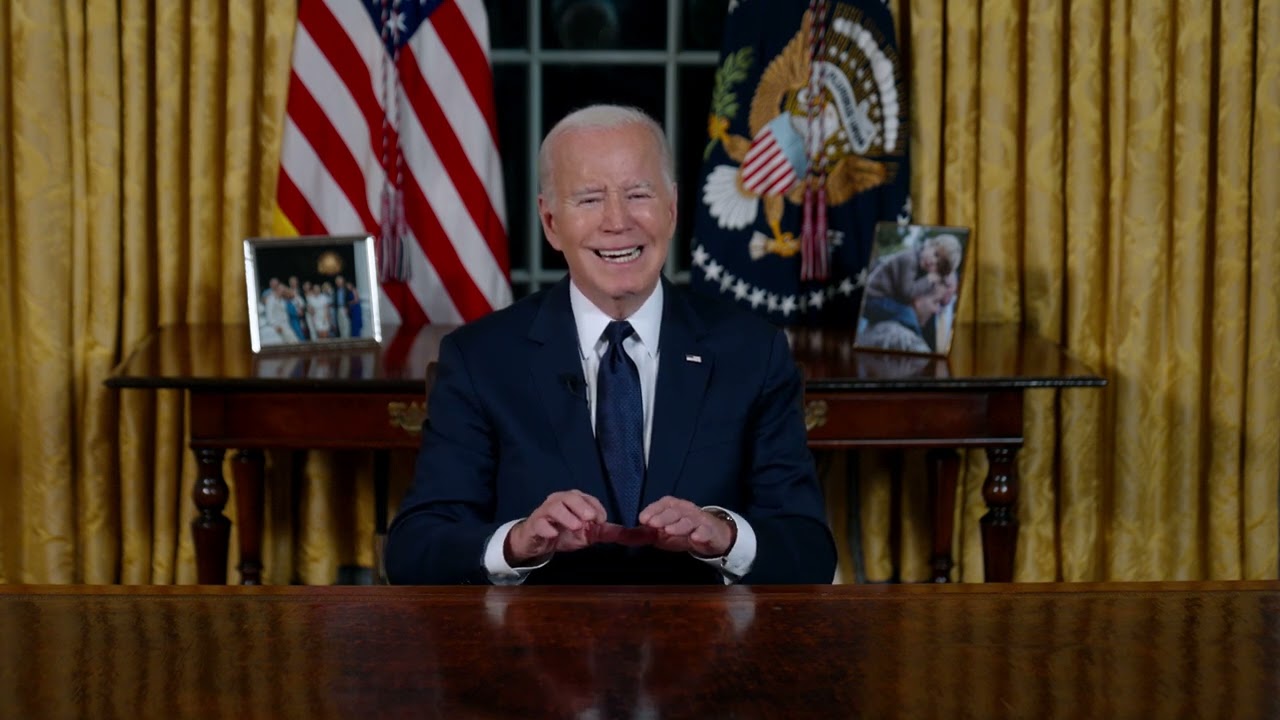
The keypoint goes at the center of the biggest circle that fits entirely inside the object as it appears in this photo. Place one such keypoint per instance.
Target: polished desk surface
(1025, 651)
(982, 356)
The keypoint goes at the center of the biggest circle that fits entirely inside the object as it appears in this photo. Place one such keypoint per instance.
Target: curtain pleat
(1081, 488)
(41, 231)
(11, 528)
(1260, 485)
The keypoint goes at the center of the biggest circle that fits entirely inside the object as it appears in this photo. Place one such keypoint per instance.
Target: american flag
(390, 130)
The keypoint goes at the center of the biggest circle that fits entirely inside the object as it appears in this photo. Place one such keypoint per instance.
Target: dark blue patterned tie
(620, 422)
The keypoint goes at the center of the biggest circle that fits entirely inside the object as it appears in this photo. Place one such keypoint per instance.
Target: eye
(639, 195)
(589, 201)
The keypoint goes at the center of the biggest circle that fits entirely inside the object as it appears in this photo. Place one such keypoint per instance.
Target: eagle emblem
(858, 122)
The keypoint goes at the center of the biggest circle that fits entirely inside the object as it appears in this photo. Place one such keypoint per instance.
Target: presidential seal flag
(806, 152)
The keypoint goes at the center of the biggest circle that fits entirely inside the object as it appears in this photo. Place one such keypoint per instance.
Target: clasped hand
(572, 520)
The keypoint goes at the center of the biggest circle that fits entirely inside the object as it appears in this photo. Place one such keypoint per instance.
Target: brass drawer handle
(407, 416)
(815, 414)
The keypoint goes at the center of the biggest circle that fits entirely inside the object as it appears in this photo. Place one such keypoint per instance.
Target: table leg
(944, 469)
(210, 529)
(249, 468)
(1000, 525)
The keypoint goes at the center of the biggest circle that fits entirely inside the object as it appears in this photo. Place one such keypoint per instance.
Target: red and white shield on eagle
(776, 160)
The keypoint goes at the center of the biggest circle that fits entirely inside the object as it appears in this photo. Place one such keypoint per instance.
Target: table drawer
(307, 420)
(913, 419)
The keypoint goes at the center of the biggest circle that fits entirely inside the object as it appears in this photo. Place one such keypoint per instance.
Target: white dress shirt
(642, 347)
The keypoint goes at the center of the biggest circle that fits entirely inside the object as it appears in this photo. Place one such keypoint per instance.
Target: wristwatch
(733, 526)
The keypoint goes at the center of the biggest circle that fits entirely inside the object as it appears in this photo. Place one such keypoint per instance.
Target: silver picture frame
(311, 292)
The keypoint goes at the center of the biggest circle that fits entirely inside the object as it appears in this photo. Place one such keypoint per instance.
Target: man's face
(611, 212)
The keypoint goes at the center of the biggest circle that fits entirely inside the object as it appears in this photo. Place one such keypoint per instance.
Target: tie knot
(617, 331)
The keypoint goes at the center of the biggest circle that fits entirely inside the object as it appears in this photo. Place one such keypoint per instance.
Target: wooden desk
(852, 399)
(1017, 651)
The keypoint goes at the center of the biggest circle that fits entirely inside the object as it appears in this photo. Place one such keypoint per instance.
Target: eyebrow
(593, 189)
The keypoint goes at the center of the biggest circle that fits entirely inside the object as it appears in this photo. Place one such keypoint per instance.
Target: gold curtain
(1119, 163)
(138, 146)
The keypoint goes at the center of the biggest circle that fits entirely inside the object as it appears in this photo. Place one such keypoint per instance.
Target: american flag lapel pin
(693, 358)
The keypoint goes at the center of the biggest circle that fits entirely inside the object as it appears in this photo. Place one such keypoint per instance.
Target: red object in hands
(631, 537)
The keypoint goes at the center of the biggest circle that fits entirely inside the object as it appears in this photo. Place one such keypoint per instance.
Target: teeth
(619, 256)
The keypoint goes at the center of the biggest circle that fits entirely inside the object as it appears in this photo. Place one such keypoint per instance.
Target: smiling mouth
(619, 256)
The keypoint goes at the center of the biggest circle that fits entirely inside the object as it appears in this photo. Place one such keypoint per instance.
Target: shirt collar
(591, 321)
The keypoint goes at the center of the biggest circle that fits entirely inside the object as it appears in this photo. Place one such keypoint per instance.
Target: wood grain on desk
(1133, 650)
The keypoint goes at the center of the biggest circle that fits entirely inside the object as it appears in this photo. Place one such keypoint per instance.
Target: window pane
(569, 87)
(508, 23)
(703, 24)
(511, 101)
(604, 24)
(695, 98)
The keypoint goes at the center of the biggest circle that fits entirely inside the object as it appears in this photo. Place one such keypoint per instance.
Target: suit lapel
(556, 373)
(684, 367)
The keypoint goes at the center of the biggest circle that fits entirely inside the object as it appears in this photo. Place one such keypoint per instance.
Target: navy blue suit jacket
(509, 425)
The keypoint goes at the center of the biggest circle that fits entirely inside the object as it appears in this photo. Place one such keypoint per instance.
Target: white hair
(602, 117)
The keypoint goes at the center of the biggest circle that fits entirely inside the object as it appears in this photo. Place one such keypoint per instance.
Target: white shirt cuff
(736, 563)
(495, 560)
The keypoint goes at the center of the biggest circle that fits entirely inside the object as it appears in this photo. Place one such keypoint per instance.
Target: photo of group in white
(293, 310)
(310, 292)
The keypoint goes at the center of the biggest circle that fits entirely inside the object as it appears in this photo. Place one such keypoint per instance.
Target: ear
(548, 219)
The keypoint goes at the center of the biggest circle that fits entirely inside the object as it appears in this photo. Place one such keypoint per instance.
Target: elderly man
(613, 428)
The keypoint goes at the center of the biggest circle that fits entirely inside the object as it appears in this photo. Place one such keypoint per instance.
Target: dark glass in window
(695, 98)
(569, 87)
(703, 24)
(511, 103)
(508, 23)
(604, 24)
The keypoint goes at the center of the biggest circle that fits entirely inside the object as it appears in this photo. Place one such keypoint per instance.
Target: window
(552, 56)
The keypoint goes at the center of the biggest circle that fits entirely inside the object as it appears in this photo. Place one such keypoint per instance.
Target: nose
(616, 218)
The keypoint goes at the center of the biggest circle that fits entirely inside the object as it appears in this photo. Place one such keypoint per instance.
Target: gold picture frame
(914, 278)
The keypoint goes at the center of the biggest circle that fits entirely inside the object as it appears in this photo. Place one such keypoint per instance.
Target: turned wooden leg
(944, 468)
(1000, 524)
(210, 529)
(248, 467)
